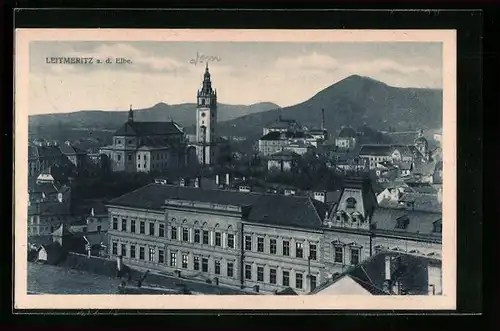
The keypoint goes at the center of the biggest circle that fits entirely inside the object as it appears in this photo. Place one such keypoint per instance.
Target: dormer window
(351, 202)
(437, 226)
(402, 222)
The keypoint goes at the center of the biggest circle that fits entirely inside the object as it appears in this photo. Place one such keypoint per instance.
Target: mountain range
(184, 114)
(353, 101)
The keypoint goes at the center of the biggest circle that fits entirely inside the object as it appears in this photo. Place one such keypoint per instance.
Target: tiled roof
(70, 150)
(370, 274)
(148, 128)
(375, 150)
(420, 222)
(347, 132)
(275, 135)
(44, 152)
(284, 155)
(265, 208)
(282, 123)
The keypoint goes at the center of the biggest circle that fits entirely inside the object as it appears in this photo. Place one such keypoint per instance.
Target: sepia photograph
(262, 168)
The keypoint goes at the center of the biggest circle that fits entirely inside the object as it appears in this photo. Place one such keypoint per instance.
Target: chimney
(387, 268)
(119, 262)
(92, 211)
(67, 143)
(228, 179)
(182, 182)
(217, 180)
(322, 118)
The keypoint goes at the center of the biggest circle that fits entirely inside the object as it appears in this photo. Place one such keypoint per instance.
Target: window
(260, 274)
(123, 250)
(217, 267)
(173, 233)
(298, 280)
(115, 249)
(437, 226)
(141, 253)
(272, 246)
(230, 269)
(354, 256)
(248, 271)
(173, 259)
(132, 251)
(402, 222)
(248, 243)
(196, 263)
(124, 224)
(312, 252)
(99, 228)
(115, 223)
(286, 278)
(161, 256)
(119, 156)
(218, 240)
(142, 228)
(260, 244)
(138, 156)
(185, 260)
(205, 237)
(185, 234)
(339, 254)
(197, 236)
(313, 282)
(132, 226)
(351, 202)
(151, 254)
(130, 156)
(286, 248)
(272, 276)
(151, 229)
(230, 240)
(130, 141)
(204, 264)
(161, 230)
(299, 250)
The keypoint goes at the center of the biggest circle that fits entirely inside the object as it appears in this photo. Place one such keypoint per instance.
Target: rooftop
(419, 222)
(301, 211)
(347, 132)
(148, 128)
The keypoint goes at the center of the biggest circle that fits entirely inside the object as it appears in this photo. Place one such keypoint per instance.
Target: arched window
(351, 202)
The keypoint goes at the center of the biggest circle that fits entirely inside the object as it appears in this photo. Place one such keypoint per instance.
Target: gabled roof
(264, 208)
(148, 128)
(71, 150)
(375, 150)
(347, 132)
(62, 231)
(286, 291)
(275, 135)
(44, 152)
(282, 123)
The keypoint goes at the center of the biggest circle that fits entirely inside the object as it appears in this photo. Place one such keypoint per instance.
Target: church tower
(206, 121)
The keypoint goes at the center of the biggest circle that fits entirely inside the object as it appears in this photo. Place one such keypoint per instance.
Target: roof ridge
(128, 193)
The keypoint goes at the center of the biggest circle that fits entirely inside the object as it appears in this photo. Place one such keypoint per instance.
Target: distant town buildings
(346, 139)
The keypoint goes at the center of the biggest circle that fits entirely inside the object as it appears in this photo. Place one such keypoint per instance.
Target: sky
(243, 73)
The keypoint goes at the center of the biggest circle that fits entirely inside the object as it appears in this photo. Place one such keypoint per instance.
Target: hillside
(184, 114)
(353, 101)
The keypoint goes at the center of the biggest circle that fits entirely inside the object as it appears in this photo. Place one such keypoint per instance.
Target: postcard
(235, 169)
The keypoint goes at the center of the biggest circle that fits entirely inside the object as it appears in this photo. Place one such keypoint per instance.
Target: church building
(208, 143)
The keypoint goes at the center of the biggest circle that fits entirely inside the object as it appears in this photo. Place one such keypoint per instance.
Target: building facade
(206, 122)
(260, 242)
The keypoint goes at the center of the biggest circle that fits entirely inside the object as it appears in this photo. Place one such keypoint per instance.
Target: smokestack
(228, 178)
(387, 268)
(322, 118)
(217, 180)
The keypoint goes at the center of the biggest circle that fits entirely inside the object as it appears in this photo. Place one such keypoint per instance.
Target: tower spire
(130, 114)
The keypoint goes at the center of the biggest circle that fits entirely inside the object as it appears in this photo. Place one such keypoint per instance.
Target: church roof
(133, 128)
